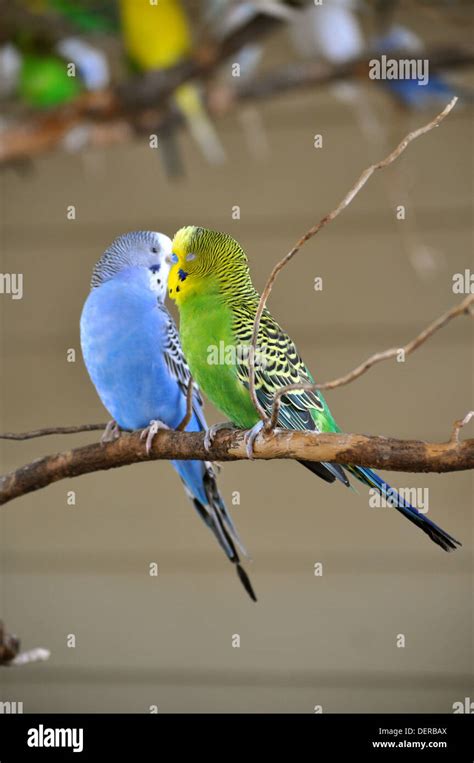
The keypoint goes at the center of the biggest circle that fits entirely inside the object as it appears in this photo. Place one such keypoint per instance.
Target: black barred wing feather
(177, 366)
(277, 364)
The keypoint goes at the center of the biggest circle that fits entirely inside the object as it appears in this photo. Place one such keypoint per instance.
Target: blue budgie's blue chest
(122, 338)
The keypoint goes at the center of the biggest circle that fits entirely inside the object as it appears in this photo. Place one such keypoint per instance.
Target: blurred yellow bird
(157, 36)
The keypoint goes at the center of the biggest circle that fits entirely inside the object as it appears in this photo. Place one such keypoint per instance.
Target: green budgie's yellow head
(206, 261)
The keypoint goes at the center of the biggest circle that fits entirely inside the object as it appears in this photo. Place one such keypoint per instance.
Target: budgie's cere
(211, 284)
(132, 352)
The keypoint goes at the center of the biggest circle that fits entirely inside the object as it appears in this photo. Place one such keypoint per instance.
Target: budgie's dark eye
(154, 250)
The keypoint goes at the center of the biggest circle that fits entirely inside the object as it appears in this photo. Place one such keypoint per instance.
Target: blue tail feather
(437, 534)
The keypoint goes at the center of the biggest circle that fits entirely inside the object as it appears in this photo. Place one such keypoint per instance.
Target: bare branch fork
(269, 421)
(463, 308)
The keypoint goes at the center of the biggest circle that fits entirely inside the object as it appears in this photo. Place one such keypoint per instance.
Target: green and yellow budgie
(211, 284)
(157, 36)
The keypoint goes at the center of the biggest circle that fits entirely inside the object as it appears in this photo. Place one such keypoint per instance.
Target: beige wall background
(83, 569)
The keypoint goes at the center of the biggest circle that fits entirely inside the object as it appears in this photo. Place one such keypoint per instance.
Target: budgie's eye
(154, 250)
(190, 257)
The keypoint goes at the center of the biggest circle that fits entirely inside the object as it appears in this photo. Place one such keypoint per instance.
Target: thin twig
(459, 424)
(367, 173)
(189, 407)
(46, 431)
(462, 308)
(52, 431)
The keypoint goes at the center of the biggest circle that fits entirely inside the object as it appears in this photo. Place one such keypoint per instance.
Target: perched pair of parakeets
(139, 364)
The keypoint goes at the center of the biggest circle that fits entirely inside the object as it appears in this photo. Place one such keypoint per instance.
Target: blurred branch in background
(317, 73)
(129, 103)
(108, 117)
(147, 101)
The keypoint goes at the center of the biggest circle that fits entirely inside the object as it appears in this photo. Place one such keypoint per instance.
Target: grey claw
(209, 436)
(250, 438)
(210, 433)
(110, 433)
(151, 431)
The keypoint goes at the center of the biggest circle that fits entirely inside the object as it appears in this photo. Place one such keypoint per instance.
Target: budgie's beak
(176, 277)
(178, 285)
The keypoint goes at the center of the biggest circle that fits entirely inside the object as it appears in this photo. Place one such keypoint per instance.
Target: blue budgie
(414, 91)
(133, 355)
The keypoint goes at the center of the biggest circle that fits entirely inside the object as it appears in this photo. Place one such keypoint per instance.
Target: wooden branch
(463, 308)
(350, 195)
(374, 452)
